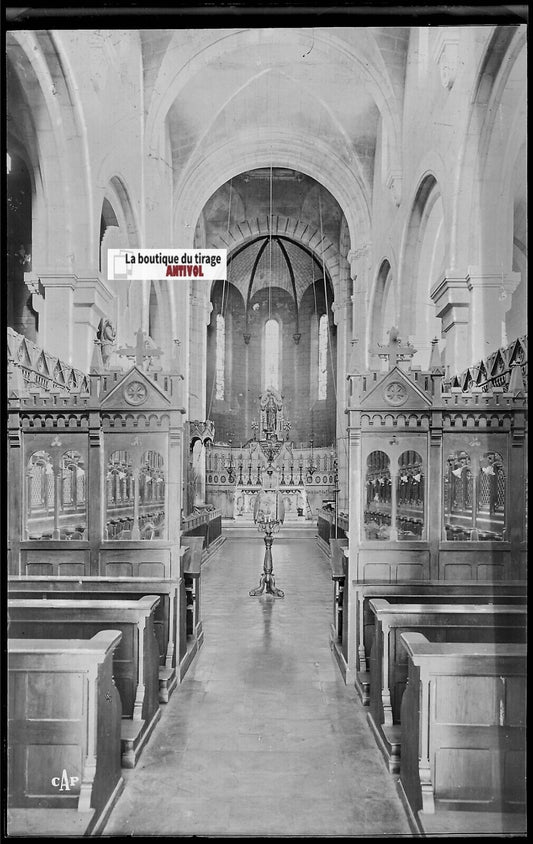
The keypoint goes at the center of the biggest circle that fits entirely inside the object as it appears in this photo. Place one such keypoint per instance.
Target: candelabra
(268, 518)
(229, 465)
(311, 468)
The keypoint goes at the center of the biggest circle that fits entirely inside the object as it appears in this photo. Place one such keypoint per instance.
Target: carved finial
(435, 361)
(516, 381)
(97, 365)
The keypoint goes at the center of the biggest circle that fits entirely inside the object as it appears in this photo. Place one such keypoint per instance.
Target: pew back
(63, 715)
(463, 726)
(135, 660)
(438, 592)
(439, 623)
(108, 589)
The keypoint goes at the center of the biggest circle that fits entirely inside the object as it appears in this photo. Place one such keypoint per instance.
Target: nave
(262, 737)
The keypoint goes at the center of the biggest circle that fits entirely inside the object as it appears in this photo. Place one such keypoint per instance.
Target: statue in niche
(271, 415)
(271, 420)
(105, 337)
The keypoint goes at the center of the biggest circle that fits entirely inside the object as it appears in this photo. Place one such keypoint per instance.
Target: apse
(271, 322)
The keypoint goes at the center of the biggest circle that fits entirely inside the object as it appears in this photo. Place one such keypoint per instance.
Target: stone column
(452, 305)
(76, 304)
(472, 306)
(342, 317)
(490, 299)
(199, 319)
(360, 273)
(57, 311)
(93, 299)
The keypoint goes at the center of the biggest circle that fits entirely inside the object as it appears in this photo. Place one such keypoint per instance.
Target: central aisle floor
(262, 737)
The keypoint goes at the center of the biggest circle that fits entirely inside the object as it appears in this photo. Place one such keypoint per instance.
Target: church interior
(267, 533)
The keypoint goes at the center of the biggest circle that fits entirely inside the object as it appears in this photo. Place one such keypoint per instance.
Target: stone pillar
(360, 272)
(452, 305)
(472, 306)
(58, 312)
(93, 300)
(342, 317)
(199, 320)
(490, 299)
(75, 305)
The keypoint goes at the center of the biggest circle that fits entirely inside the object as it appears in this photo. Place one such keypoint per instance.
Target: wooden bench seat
(135, 661)
(474, 592)
(463, 731)
(64, 718)
(470, 623)
(169, 615)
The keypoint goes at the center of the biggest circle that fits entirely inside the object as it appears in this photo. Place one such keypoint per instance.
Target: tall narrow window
(272, 354)
(323, 357)
(220, 357)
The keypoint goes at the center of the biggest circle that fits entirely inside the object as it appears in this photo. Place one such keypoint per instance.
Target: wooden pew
(169, 615)
(439, 592)
(64, 715)
(338, 575)
(439, 623)
(463, 730)
(135, 661)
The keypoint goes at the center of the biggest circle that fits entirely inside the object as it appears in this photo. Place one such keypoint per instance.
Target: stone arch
(63, 161)
(313, 158)
(304, 233)
(383, 306)
(503, 55)
(119, 230)
(117, 212)
(424, 251)
(159, 327)
(366, 59)
(43, 140)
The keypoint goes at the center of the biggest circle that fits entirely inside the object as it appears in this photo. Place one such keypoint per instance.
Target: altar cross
(394, 350)
(141, 350)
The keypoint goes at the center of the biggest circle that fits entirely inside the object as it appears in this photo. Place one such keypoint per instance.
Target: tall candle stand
(267, 580)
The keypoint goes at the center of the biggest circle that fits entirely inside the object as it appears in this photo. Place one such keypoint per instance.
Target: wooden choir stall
(104, 598)
(429, 588)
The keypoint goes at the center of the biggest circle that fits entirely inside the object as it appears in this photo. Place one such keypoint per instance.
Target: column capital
(355, 256)
(486, 277)
(340, 309)
(394, 183)
(446, 54)
(451, 295)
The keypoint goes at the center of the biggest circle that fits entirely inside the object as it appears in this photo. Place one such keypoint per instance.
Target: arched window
(220, 357)
(323, 357)
(272, 355)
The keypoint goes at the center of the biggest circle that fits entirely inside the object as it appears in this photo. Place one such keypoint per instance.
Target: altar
(304, 476)
(294, 500)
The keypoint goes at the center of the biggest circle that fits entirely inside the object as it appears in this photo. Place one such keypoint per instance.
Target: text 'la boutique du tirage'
(145, 264)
